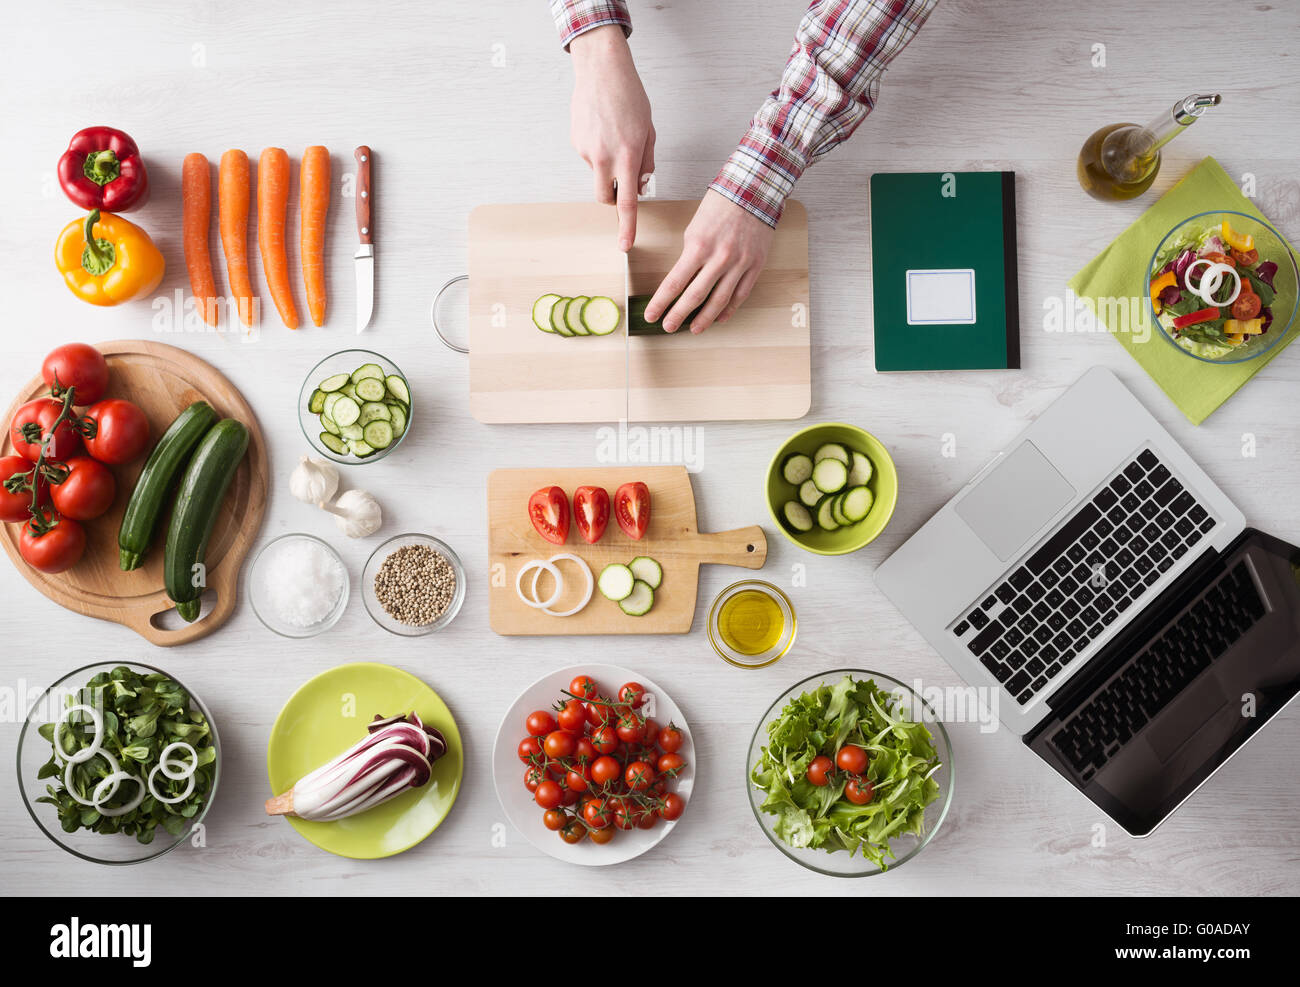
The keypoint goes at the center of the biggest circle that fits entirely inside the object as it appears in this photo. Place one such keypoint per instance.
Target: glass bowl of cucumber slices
(355, 407)
(831, 488)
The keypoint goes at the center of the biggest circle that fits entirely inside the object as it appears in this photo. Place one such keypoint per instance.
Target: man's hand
(725, 248)
(610, 121)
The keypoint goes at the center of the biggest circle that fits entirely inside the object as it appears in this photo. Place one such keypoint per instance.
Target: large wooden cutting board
(757, 366)
(162, 380)
(673, 540)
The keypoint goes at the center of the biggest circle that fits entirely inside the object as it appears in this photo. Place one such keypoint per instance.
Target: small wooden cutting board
(673, 540)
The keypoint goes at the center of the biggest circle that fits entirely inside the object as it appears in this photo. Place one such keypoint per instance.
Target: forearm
(828, 87)
(576, 17)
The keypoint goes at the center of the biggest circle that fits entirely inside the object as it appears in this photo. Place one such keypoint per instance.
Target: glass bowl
(1271, 246)
(345, 362)
(260, 572)
(839, 863)
(773, 654)
(34, 751)
(376, 609)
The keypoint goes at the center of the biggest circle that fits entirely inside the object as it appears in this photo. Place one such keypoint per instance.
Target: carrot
(314, 180)
(272, 211)
(232, 203)
(196, 216)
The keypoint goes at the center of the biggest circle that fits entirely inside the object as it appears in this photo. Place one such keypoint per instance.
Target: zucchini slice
(601, 316)
(397, 388)
(796, 468)
(809, 494)
(830, 475)
(860, 470)
(573, 315)
(557, 317)
(857, 504)
(831, 450)
(638, 602)
(824, 519)
(647, 570)
(542, 312)
(616, 581)
(797, 516)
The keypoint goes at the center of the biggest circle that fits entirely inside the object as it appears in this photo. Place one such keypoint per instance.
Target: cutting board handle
(744, 547)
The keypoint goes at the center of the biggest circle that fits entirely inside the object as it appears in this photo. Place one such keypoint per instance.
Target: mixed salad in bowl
(1213, 286)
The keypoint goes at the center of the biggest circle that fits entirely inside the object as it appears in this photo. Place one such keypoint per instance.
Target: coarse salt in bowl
(298, 586)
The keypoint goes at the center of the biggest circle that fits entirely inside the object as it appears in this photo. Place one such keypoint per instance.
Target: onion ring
(538, 564)
(67, 778)
(116, 778)
(591, 584)
(187, 771)
(189, 789)
(1212, 280)
(86, 753)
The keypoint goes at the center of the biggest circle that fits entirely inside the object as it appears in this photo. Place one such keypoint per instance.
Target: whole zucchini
(161, 469)
(198, 501)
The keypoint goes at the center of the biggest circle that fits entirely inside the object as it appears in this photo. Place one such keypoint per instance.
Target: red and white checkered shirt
(829, 85)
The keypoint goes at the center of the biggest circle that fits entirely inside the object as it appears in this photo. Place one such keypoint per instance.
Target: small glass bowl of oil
(751, 624)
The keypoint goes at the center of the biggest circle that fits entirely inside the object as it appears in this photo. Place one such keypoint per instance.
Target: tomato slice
(548, 509)
(632, 509)
(591, 512)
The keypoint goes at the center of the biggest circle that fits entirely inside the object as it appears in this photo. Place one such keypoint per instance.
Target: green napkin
(1197, 387)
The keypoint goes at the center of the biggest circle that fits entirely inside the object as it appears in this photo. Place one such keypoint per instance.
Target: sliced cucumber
(830, 475)
(378, 434)
(327, 423)
(334, 383)
(348, 405)
(797, 516)
(351, 432)
(601, 316)
(647, 570)
(316, 403)
(371, 389)
(857, 504)
(809, 494)
(349, 389)
(397, 388)
(557, 317)
(573, 315)
(331, 399)
(860, 470)
(361, 448)
(837, 510)
(375, 411)
(334, 443)
(831, 450)
(616, 581)
(345, 410)
(796, 468)
(639, 601)
(542, 312)
(824, 519)
(399, 419)
(367, 370)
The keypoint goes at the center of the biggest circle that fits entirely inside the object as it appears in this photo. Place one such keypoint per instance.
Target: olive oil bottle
(1121, 161)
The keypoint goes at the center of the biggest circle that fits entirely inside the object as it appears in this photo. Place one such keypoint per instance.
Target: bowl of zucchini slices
(355, 406)
(831, 488)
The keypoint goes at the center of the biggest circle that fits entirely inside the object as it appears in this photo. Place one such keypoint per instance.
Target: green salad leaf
(903, 762)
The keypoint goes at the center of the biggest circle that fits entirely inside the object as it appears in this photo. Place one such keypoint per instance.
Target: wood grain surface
(673, 539)
(162, 380)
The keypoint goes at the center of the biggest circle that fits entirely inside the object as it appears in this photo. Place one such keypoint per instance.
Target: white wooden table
(466, 103)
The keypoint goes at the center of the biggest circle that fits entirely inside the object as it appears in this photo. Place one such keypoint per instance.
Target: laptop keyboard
(1113, 549)
(1107, 721)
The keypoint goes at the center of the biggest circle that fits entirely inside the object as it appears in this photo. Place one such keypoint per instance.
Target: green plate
(326, 716)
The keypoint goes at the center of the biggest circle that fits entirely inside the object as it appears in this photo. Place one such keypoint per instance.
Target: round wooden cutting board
(162, 380)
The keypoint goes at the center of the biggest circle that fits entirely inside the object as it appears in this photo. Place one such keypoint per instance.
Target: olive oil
(751, 622)
(1122, 160)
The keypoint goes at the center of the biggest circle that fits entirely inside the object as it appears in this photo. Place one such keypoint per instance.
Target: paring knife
(365, 255)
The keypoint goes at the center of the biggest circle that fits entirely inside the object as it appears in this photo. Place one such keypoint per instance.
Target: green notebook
(943, 271)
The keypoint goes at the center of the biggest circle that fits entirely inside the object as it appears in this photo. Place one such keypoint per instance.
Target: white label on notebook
(941, 297)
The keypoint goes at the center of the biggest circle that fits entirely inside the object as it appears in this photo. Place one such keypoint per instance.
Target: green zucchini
(160, 471)
(198, 502)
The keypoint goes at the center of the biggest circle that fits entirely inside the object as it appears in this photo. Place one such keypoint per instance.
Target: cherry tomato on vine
(554, 819)
(584, 686)
(673, 807)
(605, 740)
(671, 764)
(624, 814)
(540, 723)
(56, 550)
(573, 832)
(585, 750)
(630, 729)
(651, 733)
(605, 770)
(77, 365)
(647, 819)
(602, 836)
(599, 714)
(819, 770)
(858, 791)
(597, 814)
(851, 758)
(670, 739)
(533, 776)
(573, 717)
(577, 777)
(568, 797)
(86, 492)
(559, 744)
(529, 748)
(66, 440)
(639, 776)
(14, 505)
(121, 431)
(549, 795)
(631, 694)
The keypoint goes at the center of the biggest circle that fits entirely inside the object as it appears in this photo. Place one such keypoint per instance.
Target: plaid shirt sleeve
(575, 17)
(829, 85)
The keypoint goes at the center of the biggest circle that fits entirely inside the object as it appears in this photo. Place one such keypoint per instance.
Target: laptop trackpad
(1019, 496)
(1186, 716)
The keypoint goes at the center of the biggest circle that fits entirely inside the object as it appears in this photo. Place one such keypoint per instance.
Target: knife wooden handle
(365, 230)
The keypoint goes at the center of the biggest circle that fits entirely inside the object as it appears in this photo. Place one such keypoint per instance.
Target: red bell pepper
(102, 169)
(1195, 318)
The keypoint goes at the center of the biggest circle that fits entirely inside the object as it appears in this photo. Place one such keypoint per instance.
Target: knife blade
(365, 255)
(627, 340)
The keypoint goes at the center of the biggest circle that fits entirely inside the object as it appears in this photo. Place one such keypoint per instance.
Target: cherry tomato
(57, 550)
(591, 512)
(651, 733)
(540, 723)
(585, 751)
(605, 770)
(1246, 258)
(631, 694)
(597, 814)
(568, 797)
(819, 770)
(548, 509)
(671, 764)
(559, 744)
(632, 509)
(576, 778)
(573, 717)
(639, 775)
(77, 365)
(584, 686)
(605, 740)
(673, 807)
(602, 836)
(670, 739)
(624, 814)
(554, 819)
(630, 729)
(573, 832)
(529, 749)
(14, 505)
(858, 791)
(658, 787)
(851, 758)
(1247, 305)
(556, 770)
(647, 820)
(598, 714)
(87, 492)
(121, 431)
(1218, 258)
(44, 412)
(549, 795)
(584, 801)
(533, 777)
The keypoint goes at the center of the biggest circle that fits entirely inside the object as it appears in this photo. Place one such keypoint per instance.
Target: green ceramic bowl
(883, 483)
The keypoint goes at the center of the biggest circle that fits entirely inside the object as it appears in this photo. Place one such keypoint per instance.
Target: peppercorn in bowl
(413, 584)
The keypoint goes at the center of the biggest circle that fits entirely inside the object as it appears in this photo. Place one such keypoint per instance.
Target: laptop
(1135, 631)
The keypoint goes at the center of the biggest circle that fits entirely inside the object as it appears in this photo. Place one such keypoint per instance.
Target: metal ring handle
(433, 315)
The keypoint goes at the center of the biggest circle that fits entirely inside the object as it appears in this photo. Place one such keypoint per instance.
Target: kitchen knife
(365, 255)
(627, 338)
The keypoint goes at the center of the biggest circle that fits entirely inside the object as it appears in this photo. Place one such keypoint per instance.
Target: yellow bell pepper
(1159, 284)
(1235, 338)
(1246, 327)
(107, 260)
(1235, 240)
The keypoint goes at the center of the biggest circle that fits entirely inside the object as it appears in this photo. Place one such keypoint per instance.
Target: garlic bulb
(314, 481)
(357, 514)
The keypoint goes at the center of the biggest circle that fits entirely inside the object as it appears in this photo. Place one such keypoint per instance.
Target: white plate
(518, 802)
